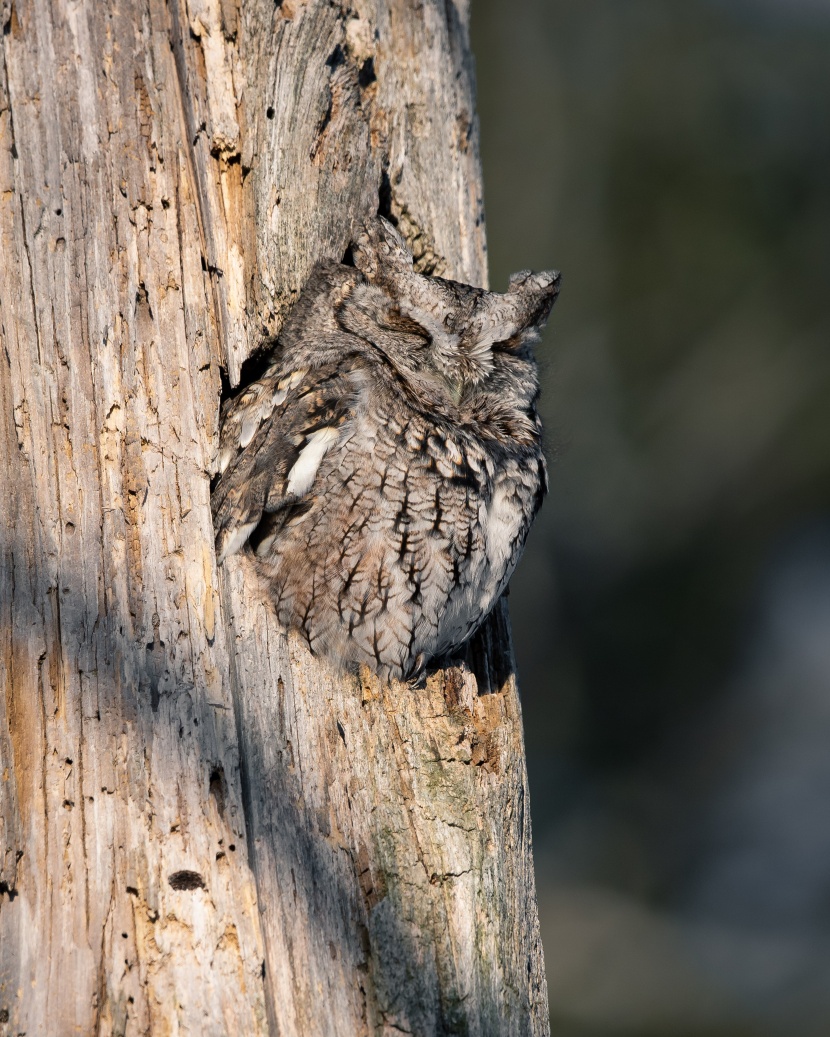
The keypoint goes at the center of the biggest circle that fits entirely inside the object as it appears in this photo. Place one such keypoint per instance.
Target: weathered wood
(202, 829)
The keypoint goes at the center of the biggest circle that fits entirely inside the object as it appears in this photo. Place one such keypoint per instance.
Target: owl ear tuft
(380, 249)
(518, 316)
(544, 283)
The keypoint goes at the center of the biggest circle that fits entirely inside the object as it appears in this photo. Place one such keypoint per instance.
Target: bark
(203, 830)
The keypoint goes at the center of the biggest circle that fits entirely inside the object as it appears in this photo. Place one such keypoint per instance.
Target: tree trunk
(203, 830)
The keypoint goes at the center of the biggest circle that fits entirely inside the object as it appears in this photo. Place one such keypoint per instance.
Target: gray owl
(385, 470)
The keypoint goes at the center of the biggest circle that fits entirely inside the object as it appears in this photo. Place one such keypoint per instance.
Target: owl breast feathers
(385, 470)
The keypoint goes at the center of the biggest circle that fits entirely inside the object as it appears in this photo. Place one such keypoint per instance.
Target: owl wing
(273, 440)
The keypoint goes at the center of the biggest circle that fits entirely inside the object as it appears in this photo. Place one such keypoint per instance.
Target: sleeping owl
(385, 470)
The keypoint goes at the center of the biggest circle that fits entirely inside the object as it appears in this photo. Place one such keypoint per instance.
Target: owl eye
(397, 320)
(526, 337)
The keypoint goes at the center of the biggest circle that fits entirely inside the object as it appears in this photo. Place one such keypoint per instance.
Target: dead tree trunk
(202, 830)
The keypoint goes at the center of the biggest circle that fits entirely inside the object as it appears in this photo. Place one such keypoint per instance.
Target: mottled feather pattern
(385, 470)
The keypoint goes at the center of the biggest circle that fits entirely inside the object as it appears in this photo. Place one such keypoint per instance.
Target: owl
(385, 470)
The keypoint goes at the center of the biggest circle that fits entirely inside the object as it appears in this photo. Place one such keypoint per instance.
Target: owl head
(438, 329)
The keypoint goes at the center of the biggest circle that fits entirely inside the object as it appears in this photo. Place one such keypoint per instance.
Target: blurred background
(672, 612)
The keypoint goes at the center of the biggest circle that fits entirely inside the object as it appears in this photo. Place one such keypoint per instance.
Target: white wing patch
(305, 467)
(292, 379)
(504, 519)
(237, 540)
(250, 424)
(226, 455)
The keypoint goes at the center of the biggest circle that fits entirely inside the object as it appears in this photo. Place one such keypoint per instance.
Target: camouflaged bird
(385, 470)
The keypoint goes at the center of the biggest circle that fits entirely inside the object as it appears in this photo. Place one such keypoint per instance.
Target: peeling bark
(202, 829)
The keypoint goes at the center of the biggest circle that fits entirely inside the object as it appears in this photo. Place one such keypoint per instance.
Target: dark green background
(672, 612)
